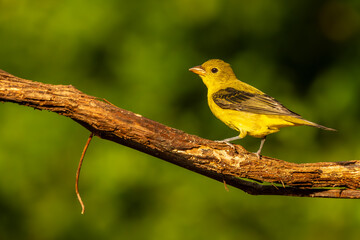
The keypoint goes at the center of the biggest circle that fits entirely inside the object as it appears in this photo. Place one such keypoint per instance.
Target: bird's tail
(318, 125)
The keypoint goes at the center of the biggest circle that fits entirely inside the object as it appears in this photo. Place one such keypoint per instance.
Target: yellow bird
(243, 107)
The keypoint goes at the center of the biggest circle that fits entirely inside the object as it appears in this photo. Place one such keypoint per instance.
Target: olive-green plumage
(243, 107)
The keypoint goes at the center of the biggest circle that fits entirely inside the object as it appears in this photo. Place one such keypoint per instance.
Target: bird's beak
(198, 70)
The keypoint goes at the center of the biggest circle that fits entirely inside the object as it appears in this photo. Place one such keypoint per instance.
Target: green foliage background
(136, 54)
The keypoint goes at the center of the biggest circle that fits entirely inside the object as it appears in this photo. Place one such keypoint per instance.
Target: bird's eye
(214, 70)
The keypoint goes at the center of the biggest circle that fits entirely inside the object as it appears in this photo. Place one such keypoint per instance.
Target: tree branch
(235, 166)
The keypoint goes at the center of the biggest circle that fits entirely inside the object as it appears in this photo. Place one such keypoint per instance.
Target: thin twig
(225, 186)
(78, 174)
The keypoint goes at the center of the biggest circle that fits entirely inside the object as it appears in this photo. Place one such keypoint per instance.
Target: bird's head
(214, 72)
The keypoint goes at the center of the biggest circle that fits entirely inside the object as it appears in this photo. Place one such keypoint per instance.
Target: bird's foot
(227, 143)
(228, 140)
(260, 148)
(258, 154)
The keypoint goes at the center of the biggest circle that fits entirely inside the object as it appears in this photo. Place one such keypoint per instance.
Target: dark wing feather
(230, 98)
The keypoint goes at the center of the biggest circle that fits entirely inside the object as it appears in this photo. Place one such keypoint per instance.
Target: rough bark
(233, 165)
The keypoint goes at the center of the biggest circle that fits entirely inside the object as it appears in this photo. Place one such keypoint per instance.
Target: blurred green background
(136, 54)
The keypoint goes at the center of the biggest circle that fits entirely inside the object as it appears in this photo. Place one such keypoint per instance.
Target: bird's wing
(233, 99)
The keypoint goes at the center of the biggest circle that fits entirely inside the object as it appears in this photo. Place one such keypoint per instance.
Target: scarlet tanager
(243, 107)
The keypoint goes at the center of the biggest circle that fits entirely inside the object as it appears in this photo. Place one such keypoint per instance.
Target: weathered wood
(234, 165)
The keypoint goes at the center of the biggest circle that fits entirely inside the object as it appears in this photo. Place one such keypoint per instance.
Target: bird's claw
(227, 143)
(258, 155)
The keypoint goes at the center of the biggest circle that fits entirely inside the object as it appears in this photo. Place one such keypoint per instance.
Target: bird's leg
(260, 148)
(228, 140)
